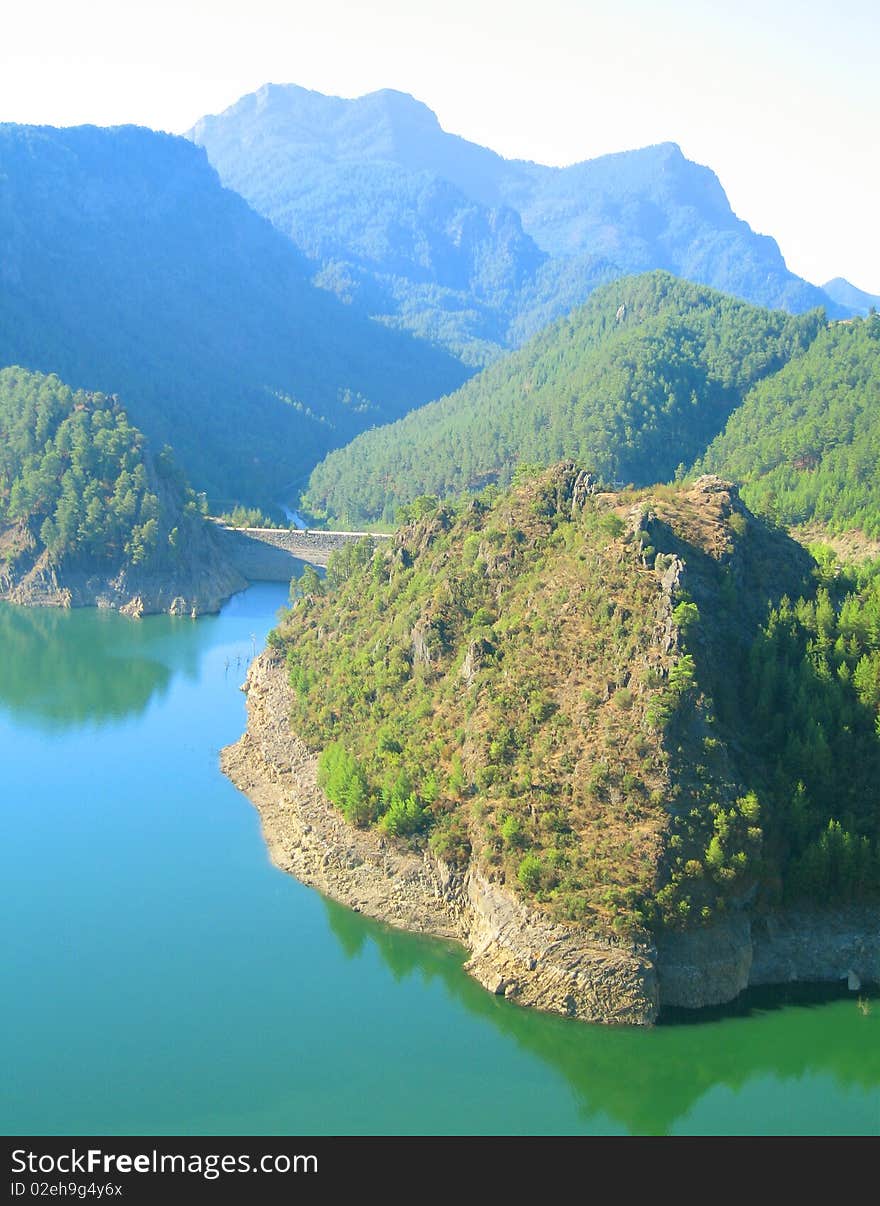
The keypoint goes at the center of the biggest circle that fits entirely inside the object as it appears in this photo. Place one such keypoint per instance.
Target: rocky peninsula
(514, 949)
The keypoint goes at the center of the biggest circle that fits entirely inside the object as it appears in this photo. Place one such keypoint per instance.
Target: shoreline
(198, 587)
(515, 951)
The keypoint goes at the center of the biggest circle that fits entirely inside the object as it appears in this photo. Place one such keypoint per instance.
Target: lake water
(161, 977)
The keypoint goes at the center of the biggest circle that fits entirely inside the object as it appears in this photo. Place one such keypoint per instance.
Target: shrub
(512, 832)
(612, 525)
(450, 841)
(343, 780)
(529, 872)
(485, 776)
(685, 615)
(405, 817)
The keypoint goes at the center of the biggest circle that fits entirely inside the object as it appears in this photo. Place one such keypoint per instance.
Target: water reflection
(650, 1079)
(60, 671)
(66, 668)
(241, 1009)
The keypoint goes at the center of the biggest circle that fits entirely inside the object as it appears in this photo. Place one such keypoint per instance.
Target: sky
(780, 98)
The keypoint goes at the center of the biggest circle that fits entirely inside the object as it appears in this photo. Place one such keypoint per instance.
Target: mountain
(371, 191)
(805, 443)
(448, 238)
(653, 208)
(594, 717)
(633, 384)
(856, 300)
(127, 267)
(90, 515)
(283, 126)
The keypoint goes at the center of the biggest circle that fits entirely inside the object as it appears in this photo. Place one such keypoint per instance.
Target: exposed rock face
(710, 966)
(814, 945)
(563, 969)
(515, 951)
(584, 487)
(309, 838)
(706, 966)
(201, 582)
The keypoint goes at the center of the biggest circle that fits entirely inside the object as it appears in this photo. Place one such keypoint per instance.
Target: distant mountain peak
(845, 293)
(399, 104)
(386, 108)
(396, 211)
(668, 150)
(391, 97)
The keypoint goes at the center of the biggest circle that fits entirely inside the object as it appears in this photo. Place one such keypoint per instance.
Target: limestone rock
(516, 951)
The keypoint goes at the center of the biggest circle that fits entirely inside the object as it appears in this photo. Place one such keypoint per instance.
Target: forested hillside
(127, 267)
(77, 477)
(805, 444)
(588, 695)
(437, 234)
(633, 384)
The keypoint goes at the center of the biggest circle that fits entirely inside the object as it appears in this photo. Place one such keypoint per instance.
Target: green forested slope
(633, 384)
(588, 697)
(77, 479)
(805, 444)
(127, 267)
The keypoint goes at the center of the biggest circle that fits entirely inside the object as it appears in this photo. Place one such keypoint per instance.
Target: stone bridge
(276, 554)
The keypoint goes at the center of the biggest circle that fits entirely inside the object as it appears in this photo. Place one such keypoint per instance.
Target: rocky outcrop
(706, 966)
(817, 946)
(713, 965)
(198, 583)
(516, 951)
(563, 969)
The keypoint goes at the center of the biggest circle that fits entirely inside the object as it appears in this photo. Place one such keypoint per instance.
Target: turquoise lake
(161, 977)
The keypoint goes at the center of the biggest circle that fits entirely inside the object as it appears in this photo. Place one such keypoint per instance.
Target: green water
(161, 977)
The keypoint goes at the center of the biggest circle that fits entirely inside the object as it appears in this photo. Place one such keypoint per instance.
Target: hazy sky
(780, 97)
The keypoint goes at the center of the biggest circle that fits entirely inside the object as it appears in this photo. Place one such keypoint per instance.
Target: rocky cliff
(515, 950)
(200, 581)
